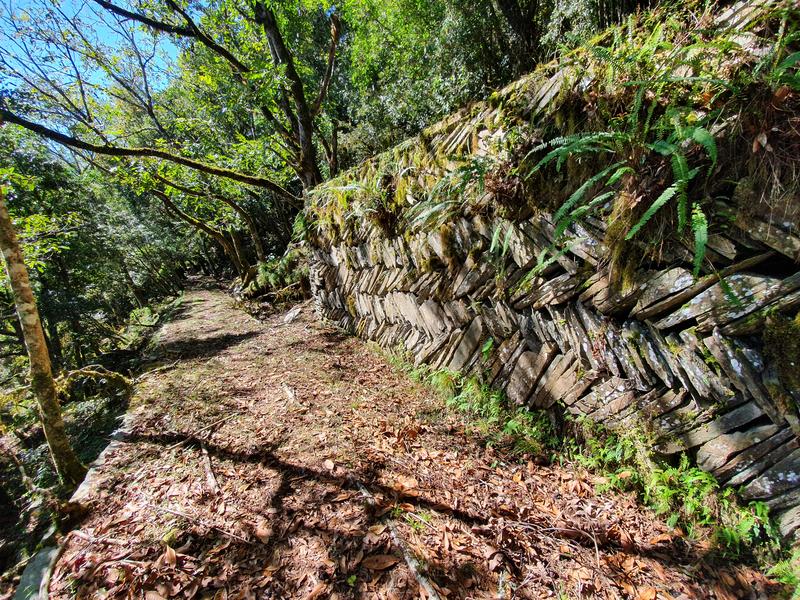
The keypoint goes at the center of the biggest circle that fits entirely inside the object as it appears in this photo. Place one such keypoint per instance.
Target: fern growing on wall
(655, 142)
(631, 143)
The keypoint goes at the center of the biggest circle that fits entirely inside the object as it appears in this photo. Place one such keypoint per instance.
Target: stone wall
(681, 356)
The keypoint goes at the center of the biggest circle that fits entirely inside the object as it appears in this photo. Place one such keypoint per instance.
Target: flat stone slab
(32, 580)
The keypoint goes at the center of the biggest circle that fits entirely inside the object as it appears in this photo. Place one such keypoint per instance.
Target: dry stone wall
(671, 355)
(682, 357)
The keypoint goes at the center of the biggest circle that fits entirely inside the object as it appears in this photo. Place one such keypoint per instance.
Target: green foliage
(744, 527)
(687, 496)
(446, 197)
(486, 349)
(700, 229)
(664, 99)
(93, 252)
(684, 495)
(787, 572)
(633, 140)
(282, 278)
(520, 430)
(683, 492)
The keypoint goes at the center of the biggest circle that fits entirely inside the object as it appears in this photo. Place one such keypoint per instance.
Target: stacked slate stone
(672, 353)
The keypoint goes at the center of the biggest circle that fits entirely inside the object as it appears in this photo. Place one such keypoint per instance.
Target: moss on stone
(782, 345)
(350, 301)
(447, 238)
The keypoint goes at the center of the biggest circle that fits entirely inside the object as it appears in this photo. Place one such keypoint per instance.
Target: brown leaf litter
(287, 460)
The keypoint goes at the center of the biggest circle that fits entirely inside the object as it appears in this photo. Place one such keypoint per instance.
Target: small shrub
(787, 572)
(284, 278)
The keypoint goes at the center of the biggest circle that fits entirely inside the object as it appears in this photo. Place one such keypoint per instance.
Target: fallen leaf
(317, 591)
(658, 570)
(406, 484)
(170, 557)
(781, 93)
(263, 531)
(647, 594)
(664, 537)
(379, 562)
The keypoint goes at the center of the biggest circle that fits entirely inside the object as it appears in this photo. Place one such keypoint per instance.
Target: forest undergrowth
(94, 399)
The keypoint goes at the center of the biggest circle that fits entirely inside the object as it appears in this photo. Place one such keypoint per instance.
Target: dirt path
(286, 460)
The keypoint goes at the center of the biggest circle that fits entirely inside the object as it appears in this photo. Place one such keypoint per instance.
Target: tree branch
(109, 150)
(190, 30)
(326, 80)
(217, 235)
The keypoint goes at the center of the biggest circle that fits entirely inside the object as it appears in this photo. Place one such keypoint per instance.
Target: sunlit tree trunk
(69, 468)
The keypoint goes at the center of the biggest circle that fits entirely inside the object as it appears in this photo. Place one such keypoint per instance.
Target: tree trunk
(69, 468)
(219, 237)
(252, 228)
(54, 341)
(134, 289)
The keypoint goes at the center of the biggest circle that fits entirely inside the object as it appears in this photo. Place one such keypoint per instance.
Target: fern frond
(680, 167)
(507, 241)
(496, 238)
(606, 55)
(683, 209)
(425, 214)
(700, 229)
(703, 137)
(665, 197)
(618, 175)
(663, 147)
(633, 118)
(542, 264)
(565, 146)
(578, 194)
(563, 224)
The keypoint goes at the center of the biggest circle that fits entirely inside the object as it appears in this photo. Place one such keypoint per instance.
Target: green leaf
(788, 62)
(576, 214)
(618, 175)
(706, 140)
(700, 229)
(486, 349)
(729, 294)
(507, 240)
(578, 194)
(663, 147)
(680, 168)
(496, 238)
(665, 196)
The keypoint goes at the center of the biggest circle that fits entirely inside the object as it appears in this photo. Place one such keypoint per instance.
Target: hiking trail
(285, 459)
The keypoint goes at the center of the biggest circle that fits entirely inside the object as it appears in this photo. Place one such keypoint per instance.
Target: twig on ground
(211, 481)
(202, 430)
(196, 521)
(156, 370)
(420, 519)
(413, 563)
(97, 540)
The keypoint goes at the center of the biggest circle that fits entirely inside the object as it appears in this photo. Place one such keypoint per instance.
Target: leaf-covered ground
(287, 460)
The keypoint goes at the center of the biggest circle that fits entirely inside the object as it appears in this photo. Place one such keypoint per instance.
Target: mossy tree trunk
(69, 468)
